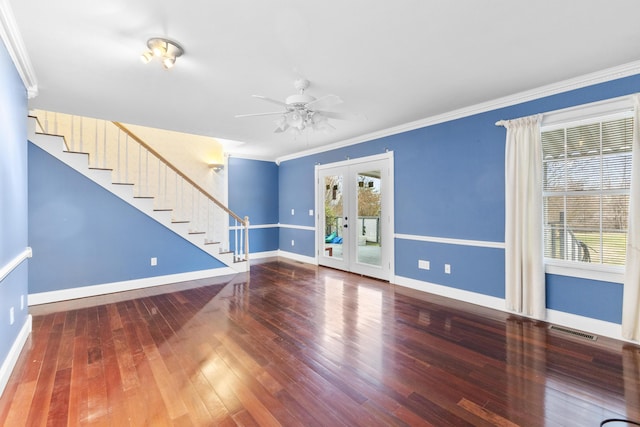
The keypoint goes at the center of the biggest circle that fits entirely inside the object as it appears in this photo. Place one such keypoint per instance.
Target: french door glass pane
(334, 214)
(368, 231)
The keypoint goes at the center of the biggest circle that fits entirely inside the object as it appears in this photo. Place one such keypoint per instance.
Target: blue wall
(449, 183)
(82, 235)
(13, 199)
(253, 192)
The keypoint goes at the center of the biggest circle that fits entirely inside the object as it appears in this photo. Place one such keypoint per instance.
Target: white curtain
(524, 268)
(631, 299)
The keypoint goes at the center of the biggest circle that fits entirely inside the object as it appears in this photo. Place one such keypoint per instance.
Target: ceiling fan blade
(324, 102)
(343, 116)
(260, 114)
(271, 100)
(282, 128)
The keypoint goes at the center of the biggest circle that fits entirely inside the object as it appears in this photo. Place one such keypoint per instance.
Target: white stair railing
(112, 146)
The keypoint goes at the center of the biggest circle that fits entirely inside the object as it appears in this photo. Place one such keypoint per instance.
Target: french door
(355, 215)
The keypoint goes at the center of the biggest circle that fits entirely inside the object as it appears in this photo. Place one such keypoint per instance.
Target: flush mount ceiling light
(165, 50)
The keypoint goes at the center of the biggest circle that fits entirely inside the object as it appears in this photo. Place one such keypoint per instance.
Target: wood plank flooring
(295, 345)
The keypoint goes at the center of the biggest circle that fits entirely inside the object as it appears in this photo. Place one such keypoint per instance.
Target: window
(587, 176)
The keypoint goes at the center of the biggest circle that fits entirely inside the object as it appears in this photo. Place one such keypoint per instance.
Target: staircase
(116, 159)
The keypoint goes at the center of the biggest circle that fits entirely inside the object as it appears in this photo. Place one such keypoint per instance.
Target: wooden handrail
(179, 173)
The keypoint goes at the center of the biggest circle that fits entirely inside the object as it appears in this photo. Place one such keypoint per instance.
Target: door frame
(388, 231)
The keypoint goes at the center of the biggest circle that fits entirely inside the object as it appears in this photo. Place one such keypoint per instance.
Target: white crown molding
(12, 39)
(585, 80)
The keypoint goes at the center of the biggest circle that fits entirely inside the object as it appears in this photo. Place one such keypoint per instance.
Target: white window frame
(576, 116)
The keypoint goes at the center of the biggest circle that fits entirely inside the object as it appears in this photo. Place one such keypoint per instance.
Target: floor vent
(573, 332)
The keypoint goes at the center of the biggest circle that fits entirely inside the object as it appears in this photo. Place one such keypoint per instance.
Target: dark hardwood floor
(295, 345)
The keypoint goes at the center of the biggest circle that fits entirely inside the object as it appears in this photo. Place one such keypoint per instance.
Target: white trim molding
(573, 321)
(254, 227)
(12, 39)
(297, 227)
(11, 265)
(12, 358)
(587, 324)
(624, 70)
(297, 257)
(591, 272)
(450, 241)
(261, 256)
(453, 293)
(128, 285)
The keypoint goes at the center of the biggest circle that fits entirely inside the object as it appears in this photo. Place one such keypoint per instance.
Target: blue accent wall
(13, 199)
(298, 174)
(476, 269)
(589, 298)
(253, 192)
(82, 234)
(449, 183)
(253, 186)
(303, 241)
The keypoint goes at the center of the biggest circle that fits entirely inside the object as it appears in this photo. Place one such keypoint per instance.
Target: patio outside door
(354, 221)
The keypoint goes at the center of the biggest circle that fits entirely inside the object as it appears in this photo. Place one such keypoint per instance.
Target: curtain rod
(590, 109)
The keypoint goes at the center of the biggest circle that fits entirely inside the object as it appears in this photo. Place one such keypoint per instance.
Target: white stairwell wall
(55, 146)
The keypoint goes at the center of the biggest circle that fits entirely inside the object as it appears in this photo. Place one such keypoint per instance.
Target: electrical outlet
(447, 268)
(154, 261)
(293, 243)
(310, 212)
(293, 211)
(21, 302)
(11, 316)
(424, 265)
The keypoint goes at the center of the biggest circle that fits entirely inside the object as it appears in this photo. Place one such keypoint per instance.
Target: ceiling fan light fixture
(146, 57)
(168, 63)
(164, 49)
(295, 120)
(302, 111)
(159, 50)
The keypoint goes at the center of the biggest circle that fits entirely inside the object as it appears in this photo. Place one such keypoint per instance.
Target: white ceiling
(393, 61)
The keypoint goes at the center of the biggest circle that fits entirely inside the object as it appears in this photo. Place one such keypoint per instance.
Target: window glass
(587, 175)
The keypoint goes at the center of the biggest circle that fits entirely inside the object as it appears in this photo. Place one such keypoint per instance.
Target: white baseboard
(108, 288)
(262, 255)
(298, 257)
(457, 294)
(587, 324)
(573, 321)
(12, 358)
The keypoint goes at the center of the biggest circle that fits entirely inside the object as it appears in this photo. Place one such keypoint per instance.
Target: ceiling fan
(303, 111)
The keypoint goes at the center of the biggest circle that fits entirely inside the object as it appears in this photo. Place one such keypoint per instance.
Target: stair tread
(211, 243)
(123, 183)
(179, 222)
(163, 210)
(197, 232)
(143, 197)
(101, 169)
